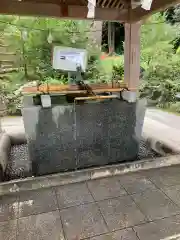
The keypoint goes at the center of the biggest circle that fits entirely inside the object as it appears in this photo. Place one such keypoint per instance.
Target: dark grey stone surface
(173, 192)
(19, 164)
(35, 202)
(126, 234)
(72, 195)
(105, 188)
(44, 226)
(69, 137)
(82, 222)
(136, 183)
(8, 230)
(86, 220)
(155, 205)
(165, 177)
(8, 208)
(165, 229)
(121, 213)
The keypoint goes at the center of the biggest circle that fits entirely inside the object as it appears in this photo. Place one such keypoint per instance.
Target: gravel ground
(19, 165)
(146, 152)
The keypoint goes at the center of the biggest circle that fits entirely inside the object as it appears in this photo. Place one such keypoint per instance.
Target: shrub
(118, 72)
(161, 82)
(175, 107)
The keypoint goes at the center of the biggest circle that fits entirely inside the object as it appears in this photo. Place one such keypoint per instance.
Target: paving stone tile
(73, 194)
(44, 226)
(164, 229)
(126, 234)
(154, 204)
(106, 188)
(82, 221)
(173, 192)
(136, 183)
(9, 207)
(35, 202)
(8, 230)
(168, 176)
(121, 212)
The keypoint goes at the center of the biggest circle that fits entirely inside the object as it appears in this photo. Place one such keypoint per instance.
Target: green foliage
(62, 80)
(92, 73)
(161, 82)
(156, 38)
(175, 107)
(39, 51)
(161, 85)
(35, 51)
(172, 15)
(12, 97)
(33, 54)
(118, 72)
(160, 56)
(161, 63)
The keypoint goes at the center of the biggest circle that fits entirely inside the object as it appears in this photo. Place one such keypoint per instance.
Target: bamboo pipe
(95, 98)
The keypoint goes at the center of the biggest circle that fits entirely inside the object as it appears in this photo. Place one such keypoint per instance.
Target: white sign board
(68, 59)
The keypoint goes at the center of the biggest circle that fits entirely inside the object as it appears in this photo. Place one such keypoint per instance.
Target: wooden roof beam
(157, 5)
(29, 8)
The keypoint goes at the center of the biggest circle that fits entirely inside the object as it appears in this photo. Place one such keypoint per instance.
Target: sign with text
(69, 59)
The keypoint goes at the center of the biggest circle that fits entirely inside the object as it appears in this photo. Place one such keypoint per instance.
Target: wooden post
(132, 55)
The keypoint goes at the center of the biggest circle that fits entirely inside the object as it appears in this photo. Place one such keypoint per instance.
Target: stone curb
(17, 138)
(6, 141)
(34, 183)
(158, 145)
(5, 146)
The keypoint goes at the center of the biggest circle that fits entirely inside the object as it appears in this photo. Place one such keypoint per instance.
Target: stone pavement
(138, 206)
